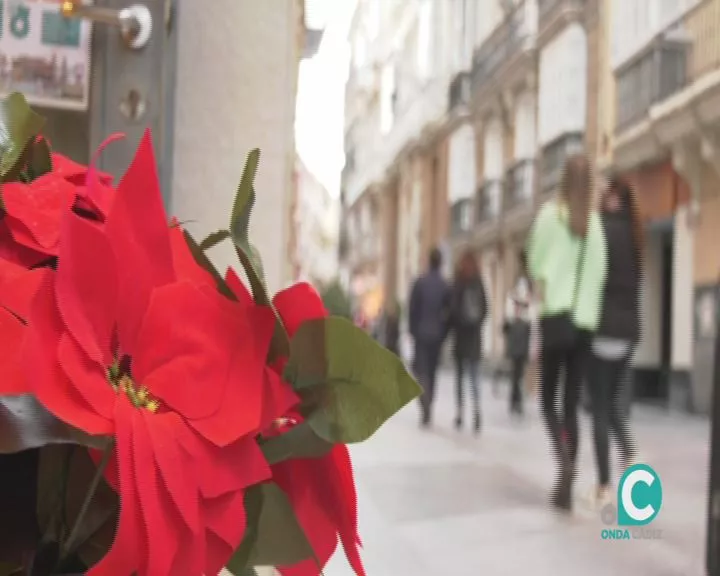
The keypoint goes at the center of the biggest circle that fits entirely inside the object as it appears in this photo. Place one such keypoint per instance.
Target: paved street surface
(441, 502)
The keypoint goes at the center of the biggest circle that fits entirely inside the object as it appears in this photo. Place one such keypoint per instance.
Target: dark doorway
(666, 307)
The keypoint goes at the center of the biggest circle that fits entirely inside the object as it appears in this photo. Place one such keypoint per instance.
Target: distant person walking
(428, 318)
(567, 261)
(469, 310)
(618, 331)
(517, 336)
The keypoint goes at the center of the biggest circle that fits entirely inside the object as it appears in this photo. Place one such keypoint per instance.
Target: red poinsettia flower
(30, 225)
(120, 344)
(17, 289)
(321, 490)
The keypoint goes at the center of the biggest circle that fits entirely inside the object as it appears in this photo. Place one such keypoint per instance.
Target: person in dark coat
(428, 318)
(469, 310)
(618, 331)
(390, 331)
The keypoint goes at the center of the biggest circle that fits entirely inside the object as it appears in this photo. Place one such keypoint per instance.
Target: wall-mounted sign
(44, 55)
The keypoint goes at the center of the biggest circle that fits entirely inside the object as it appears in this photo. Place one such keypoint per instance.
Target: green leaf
(300, 441)
(214, 239)
(203, 261)
(19, 124)
(40, 159)
(240, 229)
(240, 562)
(65, 476)
(25, 424)
(249, 255)
(281, 541)
(354, 384)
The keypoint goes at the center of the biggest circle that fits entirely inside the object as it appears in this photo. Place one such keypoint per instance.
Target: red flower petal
(86, 287)
(138, 232)
(183, 262)
(296, 478)
(166, 431)
(160, 520)
(322, 492)
(96, 190)
(74, 172)
(297, 304)
(87, 377)
(278, 398)
(240, 409)
(129, 548)
(188, 367)
(39, 207)
(227, 520)
(12, 251)
(42, 370)
(18, 287)
(227, 469)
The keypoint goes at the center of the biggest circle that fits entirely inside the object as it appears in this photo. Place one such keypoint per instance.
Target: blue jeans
(472, 369)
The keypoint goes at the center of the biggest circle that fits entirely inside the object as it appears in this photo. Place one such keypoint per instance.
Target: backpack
(471, 305)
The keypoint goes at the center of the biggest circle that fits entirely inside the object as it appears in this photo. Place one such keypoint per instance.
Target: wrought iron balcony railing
(683, 52)
(553, 158)
(461, 216)
(489, 200)
(520, 184)
(506, 41)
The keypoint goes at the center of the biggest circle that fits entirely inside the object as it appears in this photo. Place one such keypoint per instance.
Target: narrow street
(443, 502)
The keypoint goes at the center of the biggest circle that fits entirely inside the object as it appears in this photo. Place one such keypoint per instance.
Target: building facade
(314, 230)
(662, 83)
(525, 83)
(393, 183)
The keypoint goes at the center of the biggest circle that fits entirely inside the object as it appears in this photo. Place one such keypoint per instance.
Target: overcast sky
(321, 95)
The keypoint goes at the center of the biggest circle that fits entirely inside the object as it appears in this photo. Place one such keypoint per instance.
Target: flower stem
(68, 548)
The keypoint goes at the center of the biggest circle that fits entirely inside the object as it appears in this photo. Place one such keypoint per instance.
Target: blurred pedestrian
(428, 317)
(567, 261)
(618, 331)
(389, 333)
(469, 309)
(516, 329)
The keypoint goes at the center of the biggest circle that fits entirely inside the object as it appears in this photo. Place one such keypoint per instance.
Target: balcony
(657, 73)
(509, 39)
(459, 92)
(669, 89)
(677, 57)
(461, 217)
(553, 159)
(488, 199)
(520, 184)
(553, 14)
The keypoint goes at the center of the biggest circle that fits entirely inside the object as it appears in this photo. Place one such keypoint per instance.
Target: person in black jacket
(619, 329)
(428, 318)
(469, 310)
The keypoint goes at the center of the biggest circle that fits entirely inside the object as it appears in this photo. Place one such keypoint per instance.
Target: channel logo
(639, 497)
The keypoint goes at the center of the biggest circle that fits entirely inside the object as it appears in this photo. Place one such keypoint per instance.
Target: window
(424, 39)
(493, 152)
(461, 169)
(525, 128)
(634, 24)
(563, 85)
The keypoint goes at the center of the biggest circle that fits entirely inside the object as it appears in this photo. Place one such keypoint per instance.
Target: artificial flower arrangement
(156, 416)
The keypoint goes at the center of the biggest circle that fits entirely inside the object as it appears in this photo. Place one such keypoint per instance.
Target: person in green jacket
(567, 262)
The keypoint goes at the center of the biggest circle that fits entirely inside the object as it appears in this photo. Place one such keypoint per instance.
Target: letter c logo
(639, 496)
